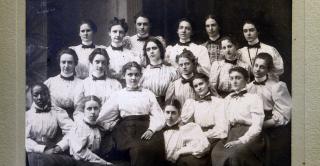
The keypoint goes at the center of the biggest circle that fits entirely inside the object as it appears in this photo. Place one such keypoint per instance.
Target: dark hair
(140, 14)
(99, 51)
(230, 38)
(117, 21)
(253, 22)
(82, 103)
(42, 85)
(91, 24)
(175, 103)
(199, 76)
(240, 70)
(129, 65)
(213, 17)
(70, 52)
(187, 54)
(268, 58)
(158, 43)
(186, 20)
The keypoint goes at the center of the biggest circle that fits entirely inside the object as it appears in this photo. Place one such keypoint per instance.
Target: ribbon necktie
(233, 62)
(71, 78)
(143, 38)
(240, 94)
(260, 83)
(155, 66)
(184, 44)
(88, 46)
(184, 81)
(94, 78)
(257, 45)
(117, 48)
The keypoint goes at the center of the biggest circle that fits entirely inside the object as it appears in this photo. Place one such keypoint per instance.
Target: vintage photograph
(158, 82)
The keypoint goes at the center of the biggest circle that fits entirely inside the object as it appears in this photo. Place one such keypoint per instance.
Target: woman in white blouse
(87, 29)
(140, 120)
(45, 143)
(244, 119)
(157, 75)
(118, 54)
(277, 104)
(205, 109)
(62, 87)
(85, 138)
(184, 32)
(98, 83)
(181, 88)
(185, 144)
(219, 72)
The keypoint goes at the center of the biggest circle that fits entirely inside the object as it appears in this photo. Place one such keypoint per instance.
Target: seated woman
(185, 145)
(46, 130)
(219, 72)
(62, 87)
(157, 75)
(205, 110)
(181, 88)
(85, 137)
(119, 55)
(244, 118)
(277, 104)
(184, 31)
(140, 117)
(98, 83)
(87, 29)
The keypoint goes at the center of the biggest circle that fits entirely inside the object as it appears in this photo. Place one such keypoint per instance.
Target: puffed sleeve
(282, 104)
(188, 111)
(204, 60)
(167, 55)
(257, 117)
(78, 146)
(109, 114)
(170, 93)
(157, 118)
(214, 74)
(277, 62)
(31, 145)
(66, 124)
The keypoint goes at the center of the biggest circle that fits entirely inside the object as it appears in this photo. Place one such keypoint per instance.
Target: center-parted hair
(99, 51)
(70, 52)
(240, 70)
(231, 39)
(175, 103)
(189, 55)
(199, 76)
(268, 58)
(82, 103)
(159, 45)
(91, 24)
(116, 21)
(129, 65)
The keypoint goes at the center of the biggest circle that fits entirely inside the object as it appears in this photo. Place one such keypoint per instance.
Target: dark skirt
(249, 154)
(190, 160)
(41, 159)
(129, 145)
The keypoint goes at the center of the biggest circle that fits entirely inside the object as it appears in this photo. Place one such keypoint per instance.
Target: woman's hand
(232, 144)
(147, 135)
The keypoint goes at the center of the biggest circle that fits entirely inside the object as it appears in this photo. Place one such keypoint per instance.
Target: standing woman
(44, 141)
(140, 120)
(62, 87)
(87, 29)
(119, 55)
(254, 47)
(157, 75)
(181, 88)
(98, 83)
(244, 119)
(219, 73)
(277, 104)
(200, 52)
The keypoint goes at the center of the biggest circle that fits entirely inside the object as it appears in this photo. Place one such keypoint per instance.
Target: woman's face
(185, 66)
(260, 68)
(237, 81)
(212, 27)
(228, 49)
(67, 64)
(132, 77)
(99, 64)
(201, 87)
(116, 33)
(86, 33)
(171, 114)
(91, 110)
(153, 51)
(40, 96)
(184, 30)
(250, 32)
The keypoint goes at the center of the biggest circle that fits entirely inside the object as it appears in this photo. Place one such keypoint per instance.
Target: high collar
(214, 38)
(254, 42)
(87, 43)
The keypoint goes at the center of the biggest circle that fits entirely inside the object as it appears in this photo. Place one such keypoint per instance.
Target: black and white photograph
(158, 83)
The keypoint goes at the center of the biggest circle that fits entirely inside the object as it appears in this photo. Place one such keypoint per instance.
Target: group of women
(186, 104)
